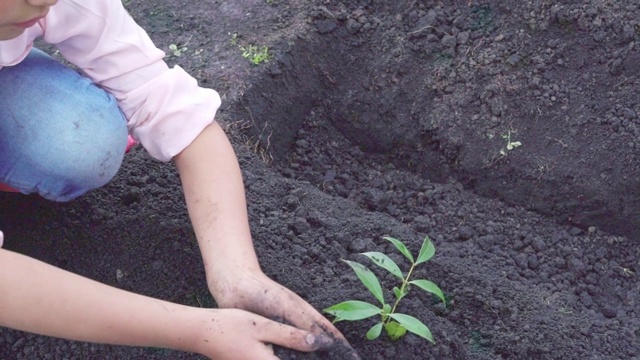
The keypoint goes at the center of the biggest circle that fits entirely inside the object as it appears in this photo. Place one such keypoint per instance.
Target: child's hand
(215, 198)
(255, 292)
(232, 334)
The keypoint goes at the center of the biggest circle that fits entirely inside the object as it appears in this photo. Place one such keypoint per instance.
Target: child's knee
(68, 153)
(66, 135)
(85, 159)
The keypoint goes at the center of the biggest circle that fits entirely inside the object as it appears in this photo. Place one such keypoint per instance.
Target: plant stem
(405, 283)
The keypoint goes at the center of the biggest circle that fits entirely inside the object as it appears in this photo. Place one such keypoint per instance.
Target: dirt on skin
(507, 131)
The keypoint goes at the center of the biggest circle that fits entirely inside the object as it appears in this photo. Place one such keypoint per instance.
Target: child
(63, 134)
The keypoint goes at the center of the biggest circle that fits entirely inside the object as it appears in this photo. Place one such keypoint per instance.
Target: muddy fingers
(293, 338)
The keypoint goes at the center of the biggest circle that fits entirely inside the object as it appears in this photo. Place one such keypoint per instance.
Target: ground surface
(393, 118)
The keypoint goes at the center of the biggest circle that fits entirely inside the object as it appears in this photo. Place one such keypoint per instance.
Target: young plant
(510, 144)
(177, 50)
(234, 38)
(395, 324)
(256, 55)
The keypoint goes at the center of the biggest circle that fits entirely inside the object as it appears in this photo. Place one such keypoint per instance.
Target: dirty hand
(255, 292)
(233, 334)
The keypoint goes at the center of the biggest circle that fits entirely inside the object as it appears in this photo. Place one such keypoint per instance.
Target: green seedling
(234, 38)
(255, 54)
(510, 144)
(395, 324)
(177, 50)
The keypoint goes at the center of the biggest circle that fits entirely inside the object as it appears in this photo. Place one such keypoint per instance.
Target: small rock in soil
(609, 312)
(449, 41)
(487, 241)
(300, 226)
(538, 244)
(465, 232)
(377, 199)
(360, 245)
(575, 231)
(326, 26)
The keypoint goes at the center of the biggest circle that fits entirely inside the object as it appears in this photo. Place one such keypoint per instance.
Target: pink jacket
(165, 108)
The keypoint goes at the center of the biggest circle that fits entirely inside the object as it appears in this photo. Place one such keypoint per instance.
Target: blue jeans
(60, 134)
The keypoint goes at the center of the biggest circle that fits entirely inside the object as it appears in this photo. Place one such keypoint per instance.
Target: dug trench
(393, 118)
(448, 106)
(540, 118)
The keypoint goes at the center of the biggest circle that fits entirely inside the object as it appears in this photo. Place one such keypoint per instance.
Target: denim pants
(60, 134)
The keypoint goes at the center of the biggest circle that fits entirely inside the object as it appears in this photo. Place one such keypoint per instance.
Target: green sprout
(255, 54)
(395, 324)
(234, 38)
(177, 50)
(510, 144)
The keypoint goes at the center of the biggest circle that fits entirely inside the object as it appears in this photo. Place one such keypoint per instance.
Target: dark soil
(393, 118)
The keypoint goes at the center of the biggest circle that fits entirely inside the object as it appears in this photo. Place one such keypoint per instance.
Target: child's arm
(215, 197)
(43, 299)
(165, 108)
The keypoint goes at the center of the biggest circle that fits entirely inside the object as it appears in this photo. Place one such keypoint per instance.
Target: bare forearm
(215, 197)
(40, 298)
(214, 192)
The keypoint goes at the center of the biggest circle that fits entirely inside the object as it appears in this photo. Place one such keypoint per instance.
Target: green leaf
(395, 330)
(386, 309)
(375, 331)
(513, 145)
(353, 310)
(368, 278)
(385, 262)
(426, 251)
(400, 246)
(413, 325)
(397, 292)
(430, 287)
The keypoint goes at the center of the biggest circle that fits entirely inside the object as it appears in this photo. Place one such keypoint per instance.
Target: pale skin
(42, 299)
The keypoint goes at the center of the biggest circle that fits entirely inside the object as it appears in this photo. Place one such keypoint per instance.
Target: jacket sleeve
(165, 108)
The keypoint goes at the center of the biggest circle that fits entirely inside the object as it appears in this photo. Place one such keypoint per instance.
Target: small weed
(177, 50)
(256, 55)
(234, 39)
(395, 324)
(510, 144)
